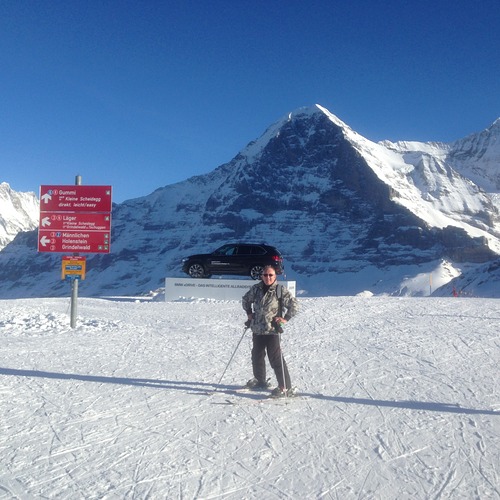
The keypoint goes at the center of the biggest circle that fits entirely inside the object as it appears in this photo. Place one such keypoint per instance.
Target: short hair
(269, 266)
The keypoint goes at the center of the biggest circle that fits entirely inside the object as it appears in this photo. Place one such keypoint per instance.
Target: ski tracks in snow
(418, 376)
(400, 402)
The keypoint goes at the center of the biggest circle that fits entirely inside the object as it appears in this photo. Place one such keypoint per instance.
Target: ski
(251, 390)
(238, 390)
(249, 396)
(285, 399)
(267, 400)
(253, 395)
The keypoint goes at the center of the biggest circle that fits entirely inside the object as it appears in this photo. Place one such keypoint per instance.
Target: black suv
(242, 259)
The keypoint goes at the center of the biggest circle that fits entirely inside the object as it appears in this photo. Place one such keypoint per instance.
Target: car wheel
(255, 272)
(196, 271)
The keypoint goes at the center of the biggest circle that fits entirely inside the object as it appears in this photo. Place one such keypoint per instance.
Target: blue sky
(141, 94)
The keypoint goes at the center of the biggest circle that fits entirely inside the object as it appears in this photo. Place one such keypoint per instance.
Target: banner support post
(74, 282)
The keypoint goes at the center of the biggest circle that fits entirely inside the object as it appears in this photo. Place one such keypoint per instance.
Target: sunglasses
(268, 275)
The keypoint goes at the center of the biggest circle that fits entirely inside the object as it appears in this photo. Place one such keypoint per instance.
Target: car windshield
(225, 250)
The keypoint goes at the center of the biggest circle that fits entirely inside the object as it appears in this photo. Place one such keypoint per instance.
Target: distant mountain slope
(477, 157)
(474, 281)
(348, 214)
(18, 212)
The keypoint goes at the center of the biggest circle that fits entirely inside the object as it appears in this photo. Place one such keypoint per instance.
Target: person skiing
(268, 306)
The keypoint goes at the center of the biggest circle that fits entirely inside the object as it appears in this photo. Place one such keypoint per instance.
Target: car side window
(244, 250)
(258, 251)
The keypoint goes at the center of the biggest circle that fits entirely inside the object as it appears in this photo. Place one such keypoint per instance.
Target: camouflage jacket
(264, 307)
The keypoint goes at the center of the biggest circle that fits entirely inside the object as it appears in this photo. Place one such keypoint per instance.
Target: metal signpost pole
(74, 282)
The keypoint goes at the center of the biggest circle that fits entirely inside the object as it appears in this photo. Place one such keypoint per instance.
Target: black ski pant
(271, 343)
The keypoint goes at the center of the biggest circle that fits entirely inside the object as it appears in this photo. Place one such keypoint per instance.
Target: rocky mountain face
(477, 158)
(18, 213)
(348, 214)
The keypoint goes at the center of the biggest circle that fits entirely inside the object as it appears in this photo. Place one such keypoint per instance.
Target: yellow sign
(73, 268)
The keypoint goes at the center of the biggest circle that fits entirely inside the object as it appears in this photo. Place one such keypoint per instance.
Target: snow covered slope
(401, 401)
(18, 212)
(477, 158)
(474, 281)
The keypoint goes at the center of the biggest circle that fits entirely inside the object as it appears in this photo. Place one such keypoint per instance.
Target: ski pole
(232, 356)
(282, 365)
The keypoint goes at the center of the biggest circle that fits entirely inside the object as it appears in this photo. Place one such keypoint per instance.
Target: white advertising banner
(220, 289)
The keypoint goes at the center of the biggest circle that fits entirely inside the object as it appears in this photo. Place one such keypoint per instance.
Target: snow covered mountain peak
(477, 157)
(310, 114)
(316, 109)
(18, 212)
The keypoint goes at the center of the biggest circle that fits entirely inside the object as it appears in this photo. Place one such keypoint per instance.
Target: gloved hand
(277, 326)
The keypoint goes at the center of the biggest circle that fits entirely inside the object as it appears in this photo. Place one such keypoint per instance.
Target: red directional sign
(76, 198)
(73, 241)
(75, 219)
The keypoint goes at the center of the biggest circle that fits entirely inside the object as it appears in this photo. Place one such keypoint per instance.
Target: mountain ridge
(18, 212)
(336, 204)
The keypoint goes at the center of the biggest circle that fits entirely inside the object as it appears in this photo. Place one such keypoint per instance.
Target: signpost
(76, 198)
(74, 219)
(73, 268)
(56, 221)
(73, 241)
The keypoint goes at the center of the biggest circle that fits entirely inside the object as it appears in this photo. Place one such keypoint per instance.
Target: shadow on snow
(203, 388)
